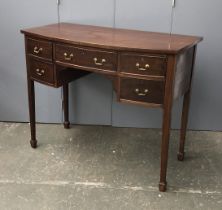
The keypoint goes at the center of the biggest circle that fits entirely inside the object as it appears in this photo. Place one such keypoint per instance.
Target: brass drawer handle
(37, 50)
(147, 66)
(141, 93)
(40, 72)
(68, 58)
(97, 63)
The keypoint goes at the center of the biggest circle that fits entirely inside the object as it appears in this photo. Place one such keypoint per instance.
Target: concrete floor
(99, 168)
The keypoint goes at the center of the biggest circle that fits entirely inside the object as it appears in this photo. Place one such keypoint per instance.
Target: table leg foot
(180, 156)
(66, 124)
(162, 186)
(33, 144)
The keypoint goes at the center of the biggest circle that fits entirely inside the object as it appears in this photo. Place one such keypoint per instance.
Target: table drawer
(138, 90)
(87, 57)
(40, 48)
(67, 54)
(99, 59)
(143, 64)
(41, 71)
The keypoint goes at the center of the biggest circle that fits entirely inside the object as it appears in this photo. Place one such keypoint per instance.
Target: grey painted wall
(93, 101)
(15, 15)
(202, 17)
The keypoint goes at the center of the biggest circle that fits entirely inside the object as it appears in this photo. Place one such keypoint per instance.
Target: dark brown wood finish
(66, 53)
(146, 68)
(143, 64)
(86, 57)
(110, 38)
(31, 94)
(185, 112)
(41, 71)
(183, 72)
(168, 102)
(66, 105)
(145, 91)
(39, 48)
(31, 100)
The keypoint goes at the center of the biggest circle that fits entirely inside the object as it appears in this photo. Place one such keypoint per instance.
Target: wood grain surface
(121, 39)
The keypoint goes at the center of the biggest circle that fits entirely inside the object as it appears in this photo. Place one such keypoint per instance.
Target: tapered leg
(186, 104)
(31, 96)
(185, 113)
(167, 108)
(66, 105)
(164, 148)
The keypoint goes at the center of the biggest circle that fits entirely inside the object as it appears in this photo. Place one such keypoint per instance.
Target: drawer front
(87, 57)
(99, 59)
(143, 64)
(42, 49)
(67, 54)
(41, 71)
(147, 91)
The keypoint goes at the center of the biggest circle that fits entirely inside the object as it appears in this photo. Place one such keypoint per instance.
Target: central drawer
(86, 57)
(139, 90)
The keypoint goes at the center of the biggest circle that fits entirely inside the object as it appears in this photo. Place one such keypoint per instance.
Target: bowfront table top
(122, 39)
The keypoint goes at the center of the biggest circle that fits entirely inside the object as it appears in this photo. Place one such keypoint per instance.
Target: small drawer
(41, 71)
(138, 90)
(86, 57)
(39, 48)
(143, 64)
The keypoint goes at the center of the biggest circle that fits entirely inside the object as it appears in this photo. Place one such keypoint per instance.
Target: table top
(112, 38)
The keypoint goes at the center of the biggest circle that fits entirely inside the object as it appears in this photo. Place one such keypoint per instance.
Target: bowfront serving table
(150, 69)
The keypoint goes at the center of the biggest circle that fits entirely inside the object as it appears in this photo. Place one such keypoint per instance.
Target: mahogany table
(147, 68)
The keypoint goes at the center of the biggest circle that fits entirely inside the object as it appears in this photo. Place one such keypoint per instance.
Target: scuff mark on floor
(108, 186)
